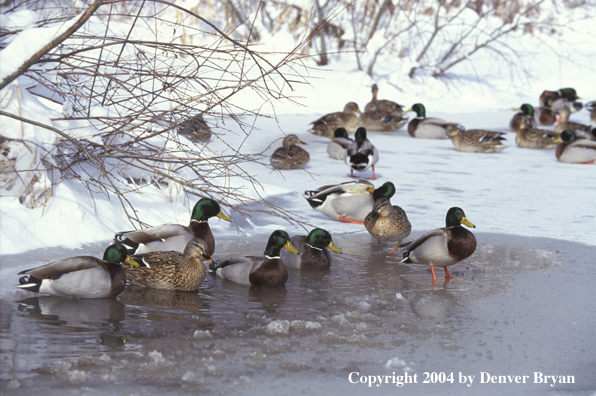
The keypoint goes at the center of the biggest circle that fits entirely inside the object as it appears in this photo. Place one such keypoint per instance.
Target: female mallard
(349, 202)
(361, 155)
(339, 143)
(290, 156)
(326, 125)
(532, 138)
(540, 115)
(387, 222)
(581, 130)
(267, 271)
(168, 237)
(383, 105)
(313, 251)
(574, 150)
(382, 115)
(80, 277)
(475, 140)
(171, 270)
(442, 247)
(426, 128)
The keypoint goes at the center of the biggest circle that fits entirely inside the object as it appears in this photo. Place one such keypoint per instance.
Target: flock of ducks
(178, 257)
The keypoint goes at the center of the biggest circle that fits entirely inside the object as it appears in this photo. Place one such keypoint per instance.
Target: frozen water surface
(521, 305)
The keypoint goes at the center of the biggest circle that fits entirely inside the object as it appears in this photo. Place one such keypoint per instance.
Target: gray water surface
(520, 306)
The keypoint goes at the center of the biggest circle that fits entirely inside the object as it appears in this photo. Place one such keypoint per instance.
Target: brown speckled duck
(533, 138)
(171, 270)
(382, 115)
(267, 271)
(442, 247)
(348, 119)
(582, 131)
(80, 277)
(313, 251)
(475, 140)
(290, 156)
(387, 222)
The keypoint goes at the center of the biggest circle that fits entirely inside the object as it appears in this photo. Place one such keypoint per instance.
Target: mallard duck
(339, 143)
(290, 156)
(326, 125)
(361, 155)
(380, 121)
(387, 222)
(382, 105)
(382, 115)
(574, 150)
(313, 251)
(475, 140)
(581, 130)
(556, 100)
(168, 237)
(349, 202)
(442, 247)
(195, 129)
(426, 128)
(533, 138)
(267, 271)
(80, 277)
(540, 115)
(171, 270)
(591, 107)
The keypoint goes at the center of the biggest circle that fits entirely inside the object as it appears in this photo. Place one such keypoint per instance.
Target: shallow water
(520, 306)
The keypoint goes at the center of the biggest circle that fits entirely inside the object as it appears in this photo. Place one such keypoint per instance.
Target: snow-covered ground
(518, 191)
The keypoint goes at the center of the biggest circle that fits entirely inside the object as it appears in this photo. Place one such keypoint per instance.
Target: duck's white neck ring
(198, 221)
(272, 258)
(314, 247)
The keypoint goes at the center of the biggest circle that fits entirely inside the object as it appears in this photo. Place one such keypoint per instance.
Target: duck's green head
(387, 190)
(340, 133)
(116, 254)
(360, 135)
(457, 217)
(320, 239)
(568, 136)
(278, 239)
(527, 109)
(419, 109)
(568, 93)
(207, 208)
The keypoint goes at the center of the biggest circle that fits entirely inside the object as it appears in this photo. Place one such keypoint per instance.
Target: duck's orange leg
(345, 220)
(395, 248)
(432, 269)
(373, 176)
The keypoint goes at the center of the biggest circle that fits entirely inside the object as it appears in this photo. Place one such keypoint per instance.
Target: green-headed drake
(175, 237)
(349, 202)
(171, 270)
(574, 150)
(426, 128)
(348, 119)
(290, 156)
(446, 246)
(266, 271)
(313, 251)
(387, 222)
(80, 277)
(475, 140)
